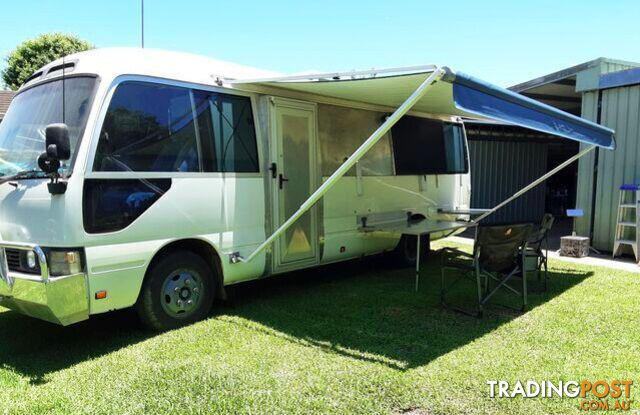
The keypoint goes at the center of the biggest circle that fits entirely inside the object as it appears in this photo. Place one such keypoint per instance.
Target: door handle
(273, 169)
(281, 179)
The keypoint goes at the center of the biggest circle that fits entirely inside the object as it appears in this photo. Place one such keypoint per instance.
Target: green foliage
(35, 53)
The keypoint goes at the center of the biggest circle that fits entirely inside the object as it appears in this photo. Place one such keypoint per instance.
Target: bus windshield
(22, 131)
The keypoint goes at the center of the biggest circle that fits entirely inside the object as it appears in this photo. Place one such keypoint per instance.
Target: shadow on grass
(34, 348)
(361, 309)
(366, 310)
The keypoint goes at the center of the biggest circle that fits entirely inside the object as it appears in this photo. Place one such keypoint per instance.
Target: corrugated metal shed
(620, 111)
(584, 198)
(609, 96)
(618, 108)
(499, 168)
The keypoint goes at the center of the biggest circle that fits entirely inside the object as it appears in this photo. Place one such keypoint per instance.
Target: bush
(35, 53)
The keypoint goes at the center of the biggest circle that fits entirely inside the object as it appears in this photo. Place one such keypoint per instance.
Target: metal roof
(626, 77)
(566, 73)
(563, 89)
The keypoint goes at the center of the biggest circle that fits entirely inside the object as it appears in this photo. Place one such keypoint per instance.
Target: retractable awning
(435, 90)
(454, 94)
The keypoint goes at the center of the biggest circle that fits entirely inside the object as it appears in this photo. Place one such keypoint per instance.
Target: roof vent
(58, 69)
(33, 77)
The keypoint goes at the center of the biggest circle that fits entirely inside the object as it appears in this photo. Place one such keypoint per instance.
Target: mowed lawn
(349, 338)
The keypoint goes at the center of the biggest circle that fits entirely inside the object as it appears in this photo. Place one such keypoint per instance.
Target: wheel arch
(203, 248)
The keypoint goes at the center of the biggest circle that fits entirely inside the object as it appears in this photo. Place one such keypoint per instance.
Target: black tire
(178, 290)
(405, 253)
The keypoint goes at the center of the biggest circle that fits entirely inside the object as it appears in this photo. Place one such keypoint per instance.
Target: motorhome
(147, 178)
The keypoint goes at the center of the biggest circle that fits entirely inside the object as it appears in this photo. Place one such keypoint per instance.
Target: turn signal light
(101, 294)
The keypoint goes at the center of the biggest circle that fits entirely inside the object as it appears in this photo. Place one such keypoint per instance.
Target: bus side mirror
(57, 141)
(57, 148)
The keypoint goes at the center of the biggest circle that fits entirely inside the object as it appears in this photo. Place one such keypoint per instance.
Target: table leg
(417, 261)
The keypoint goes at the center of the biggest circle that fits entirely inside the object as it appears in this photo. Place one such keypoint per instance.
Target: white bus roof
(159, 63)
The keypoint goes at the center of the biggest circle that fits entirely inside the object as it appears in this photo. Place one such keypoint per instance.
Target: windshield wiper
(24, 175)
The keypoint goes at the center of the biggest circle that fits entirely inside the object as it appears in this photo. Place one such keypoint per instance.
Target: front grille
(16, 261)
(13, 259)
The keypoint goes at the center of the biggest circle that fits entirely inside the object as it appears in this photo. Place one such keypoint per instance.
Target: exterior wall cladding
(620, 110)
(500, 168)
(617, 106)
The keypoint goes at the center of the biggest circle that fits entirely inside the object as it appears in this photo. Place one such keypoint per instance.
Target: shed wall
(620, 111)
(499, 169)
(585, 168)
(606, 216)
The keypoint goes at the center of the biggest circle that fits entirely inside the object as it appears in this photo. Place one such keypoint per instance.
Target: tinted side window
(113, 204)
(148, 127)
(423, 146)
(227, 132)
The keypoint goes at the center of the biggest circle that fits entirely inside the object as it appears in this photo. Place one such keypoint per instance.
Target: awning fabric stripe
(488, 101)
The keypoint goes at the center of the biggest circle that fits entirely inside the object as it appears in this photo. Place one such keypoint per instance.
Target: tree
(35, 53)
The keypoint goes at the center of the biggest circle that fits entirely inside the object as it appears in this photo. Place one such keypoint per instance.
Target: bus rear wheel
(178, 290)
(405, 252)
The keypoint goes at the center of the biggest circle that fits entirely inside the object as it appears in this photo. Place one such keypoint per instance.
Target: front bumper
(62, 300)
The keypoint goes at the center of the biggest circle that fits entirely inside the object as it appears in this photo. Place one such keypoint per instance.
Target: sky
(503, 42)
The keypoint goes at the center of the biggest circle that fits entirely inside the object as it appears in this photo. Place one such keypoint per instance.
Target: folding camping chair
(498, 255)
(535, 249)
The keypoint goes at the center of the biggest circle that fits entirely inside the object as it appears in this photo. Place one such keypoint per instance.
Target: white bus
(135, 177)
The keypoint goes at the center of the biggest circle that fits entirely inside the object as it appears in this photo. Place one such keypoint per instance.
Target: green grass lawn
(349, 338)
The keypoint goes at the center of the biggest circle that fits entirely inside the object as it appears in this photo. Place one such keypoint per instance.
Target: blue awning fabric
(489, 101)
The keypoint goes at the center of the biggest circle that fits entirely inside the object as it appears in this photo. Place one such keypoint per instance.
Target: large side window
(424, 146)
(148, 127)
(161, 128)
(227, 128)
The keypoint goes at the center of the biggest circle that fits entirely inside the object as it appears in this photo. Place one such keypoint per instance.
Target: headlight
(31, 260)
(64, 262)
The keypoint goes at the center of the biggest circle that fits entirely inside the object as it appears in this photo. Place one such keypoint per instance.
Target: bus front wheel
(178, 290)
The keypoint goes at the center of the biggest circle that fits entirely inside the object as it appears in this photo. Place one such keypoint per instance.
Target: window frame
(442, 121)
(467, 166)
(95, 137)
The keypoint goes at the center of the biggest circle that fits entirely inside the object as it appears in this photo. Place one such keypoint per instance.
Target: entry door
(294, 152)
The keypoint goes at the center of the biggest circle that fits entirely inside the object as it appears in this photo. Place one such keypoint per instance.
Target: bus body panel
(226, 213)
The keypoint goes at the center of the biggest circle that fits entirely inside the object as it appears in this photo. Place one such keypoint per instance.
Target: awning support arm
(535, 183)
(351, 161)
